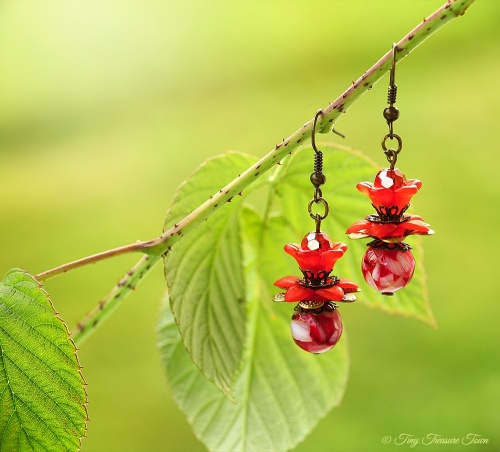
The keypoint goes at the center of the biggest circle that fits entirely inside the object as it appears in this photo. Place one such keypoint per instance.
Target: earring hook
(391, 113)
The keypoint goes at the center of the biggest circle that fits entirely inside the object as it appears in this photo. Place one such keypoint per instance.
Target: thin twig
(132, 248)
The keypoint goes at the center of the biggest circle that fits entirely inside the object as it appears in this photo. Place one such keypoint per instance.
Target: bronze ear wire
(391, 114)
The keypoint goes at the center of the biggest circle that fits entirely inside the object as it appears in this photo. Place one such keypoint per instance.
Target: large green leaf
(42, 395)
(204, 275)
(281, 391)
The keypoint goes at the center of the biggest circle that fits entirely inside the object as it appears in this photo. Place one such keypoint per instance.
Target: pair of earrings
(387, 264)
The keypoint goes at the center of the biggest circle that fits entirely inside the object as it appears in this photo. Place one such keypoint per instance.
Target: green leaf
(204, 275)
(281, 391)
(42, 395)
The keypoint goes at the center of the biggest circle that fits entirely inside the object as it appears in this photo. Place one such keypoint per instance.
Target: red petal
(329, 258)
(416, 182)
(340, 247)
(287, 281)
(347, 286)
(416, 227)
(298, 293)
(365, 187)
(359, 226)
(334, 293)
(292, 249)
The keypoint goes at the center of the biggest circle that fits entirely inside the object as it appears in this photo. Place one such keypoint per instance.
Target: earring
(316, 324)
(388, 263)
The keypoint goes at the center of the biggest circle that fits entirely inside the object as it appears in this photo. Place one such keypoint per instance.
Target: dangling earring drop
(388, 263)
(316, 325)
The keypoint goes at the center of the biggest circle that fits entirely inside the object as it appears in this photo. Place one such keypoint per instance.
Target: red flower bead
(317, 252)
(387, 270)
(316, 333)
(390, 189)
(316, 257)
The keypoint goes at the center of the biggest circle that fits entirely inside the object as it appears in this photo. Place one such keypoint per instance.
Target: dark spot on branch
(410, 37)
(330, 120)
(443, 17)
(366, 83)
(96, 321)
(101, 305)
(256, 174)
(340, 107)
(229, 200)
(299, 140)
(215, 205)
(286, 144)
(240, 193)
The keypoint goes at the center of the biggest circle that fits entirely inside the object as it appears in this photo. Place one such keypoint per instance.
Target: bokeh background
(106, 106)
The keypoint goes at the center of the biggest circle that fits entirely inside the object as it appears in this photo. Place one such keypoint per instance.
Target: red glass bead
(316, 241)
(388, 178)
(316, 333)
(387, 270)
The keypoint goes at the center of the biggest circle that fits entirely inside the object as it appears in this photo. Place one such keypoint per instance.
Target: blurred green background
(106, 106)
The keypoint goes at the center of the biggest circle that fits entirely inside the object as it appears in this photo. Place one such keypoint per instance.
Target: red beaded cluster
(316, 325)
(388, 264)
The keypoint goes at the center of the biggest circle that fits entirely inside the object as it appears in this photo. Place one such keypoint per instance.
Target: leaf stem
(159, 246)
(108, 304)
